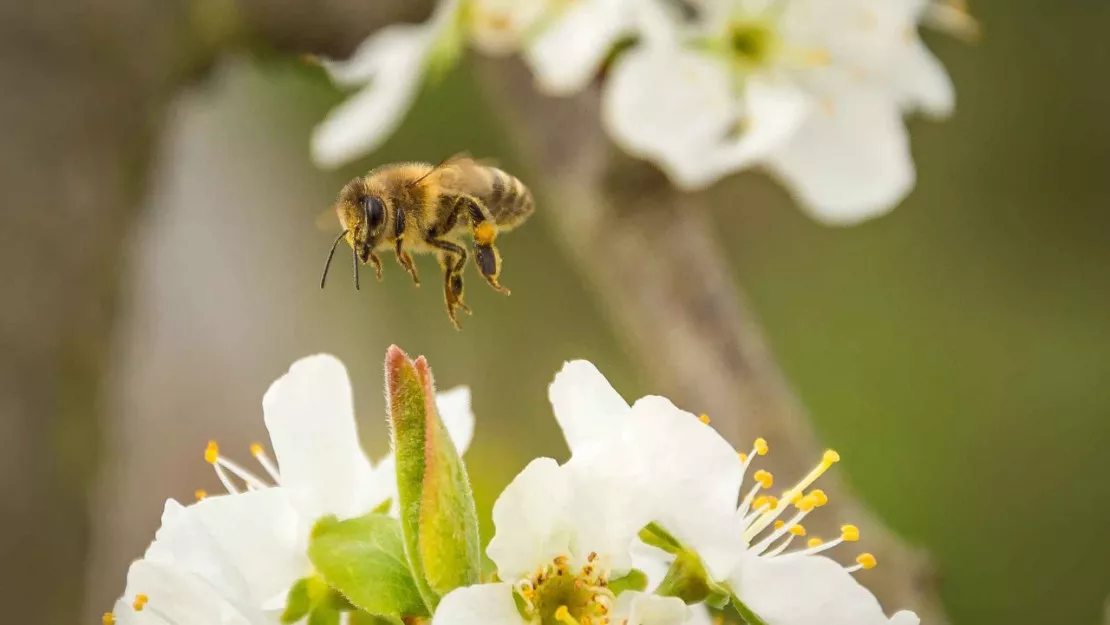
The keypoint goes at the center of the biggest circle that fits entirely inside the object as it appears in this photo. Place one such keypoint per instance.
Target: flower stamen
(863, 561)
(226, 469)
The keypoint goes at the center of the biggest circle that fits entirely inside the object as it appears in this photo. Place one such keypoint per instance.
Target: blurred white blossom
(813, 90)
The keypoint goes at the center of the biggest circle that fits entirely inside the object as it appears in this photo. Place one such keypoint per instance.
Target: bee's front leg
(376, 263)
(405, 260)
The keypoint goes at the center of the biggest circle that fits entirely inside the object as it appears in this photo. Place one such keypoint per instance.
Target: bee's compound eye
(375, 212)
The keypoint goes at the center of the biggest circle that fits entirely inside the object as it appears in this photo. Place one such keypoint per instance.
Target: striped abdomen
(508, 200)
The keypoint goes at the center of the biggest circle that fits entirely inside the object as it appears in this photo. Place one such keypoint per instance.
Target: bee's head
(362, 213)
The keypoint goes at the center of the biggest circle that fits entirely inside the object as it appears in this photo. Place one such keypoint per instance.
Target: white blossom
(810, 89)
(390, 67)
(744, 548)
(240, 553)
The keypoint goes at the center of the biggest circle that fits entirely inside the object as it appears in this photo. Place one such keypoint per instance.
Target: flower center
(555, 595)
(751, 42)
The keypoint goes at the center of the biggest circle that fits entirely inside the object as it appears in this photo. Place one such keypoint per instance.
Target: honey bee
(424, 208)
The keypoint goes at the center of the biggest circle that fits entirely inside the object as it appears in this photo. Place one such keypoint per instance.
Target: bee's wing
(462, 173)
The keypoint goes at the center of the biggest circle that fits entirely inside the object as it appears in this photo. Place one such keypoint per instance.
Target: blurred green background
(956, 352)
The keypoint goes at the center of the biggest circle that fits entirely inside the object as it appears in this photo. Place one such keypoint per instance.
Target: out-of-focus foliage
(954, 351)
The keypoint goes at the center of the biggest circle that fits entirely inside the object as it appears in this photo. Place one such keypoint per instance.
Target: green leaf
(364, 559)
(324, 614)
(635, 580)
(438, 519)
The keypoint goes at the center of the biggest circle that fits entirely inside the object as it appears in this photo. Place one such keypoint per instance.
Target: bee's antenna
(327, 264)
(354, 261)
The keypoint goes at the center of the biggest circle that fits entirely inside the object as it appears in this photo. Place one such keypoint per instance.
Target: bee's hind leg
(484, 231)
(405, 260)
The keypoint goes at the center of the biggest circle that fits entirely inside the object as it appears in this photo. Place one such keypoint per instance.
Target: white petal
(362, 123)
(183, 544)
(260, 534)
(454, 409)
(772, 112)
(388, 46)
(310, 416)
(922, 83)
(690, 475)
(905, 617)
(637, 608)
(802, 590)
(668, 105)
(850, 160)
(651, 561)
(483, 604)
(176, 597)
(529, 517)
(587, 407)
(566, 56)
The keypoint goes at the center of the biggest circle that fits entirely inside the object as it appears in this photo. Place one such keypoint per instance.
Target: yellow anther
(704, 418)
(256, 449)
(743, 456)
(866, 560)
(212, 452)
(830, 458)
(849, 533)
(765, 500)
(807, 503)
(780, 524)
(797, 530)
(108, 619)
(200, 494)
(764, 478)
(820, 498)
(761, 447)
(140, 601)
(814, 542)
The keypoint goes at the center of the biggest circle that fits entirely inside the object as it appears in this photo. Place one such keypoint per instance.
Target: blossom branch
(652, 259)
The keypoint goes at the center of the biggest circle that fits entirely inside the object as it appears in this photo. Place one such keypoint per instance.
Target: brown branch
(653, 261)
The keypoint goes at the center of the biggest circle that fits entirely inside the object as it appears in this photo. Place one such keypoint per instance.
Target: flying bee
(424, 208)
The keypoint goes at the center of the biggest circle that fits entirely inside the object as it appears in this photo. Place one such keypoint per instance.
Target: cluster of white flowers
(650, 493)
(812, 90)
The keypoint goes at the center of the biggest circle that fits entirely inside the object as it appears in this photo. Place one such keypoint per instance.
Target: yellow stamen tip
(807, 503)
(849, 533)
(765, 500)
(743, 456)
(108, 619)
(764, 478)
(212, 452)
(779, 524)
(200, 494)
(830, 457)
(563, 614)
(820, 498)
(866, 560)
(704, 418)
(140, 601)
(798, 530)
(761, 447)
(256, 449)
(814, 542)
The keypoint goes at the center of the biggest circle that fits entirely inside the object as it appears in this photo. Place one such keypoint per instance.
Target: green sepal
(324, 614)
(358, 617)
(364, 560)
(635, 580)
(438, 518)
(297, 602)
(746, 613)
(688, 580)
(658, 537)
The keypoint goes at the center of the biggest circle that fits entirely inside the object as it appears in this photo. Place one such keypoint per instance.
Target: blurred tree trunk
(87, 86)
(652, 258)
